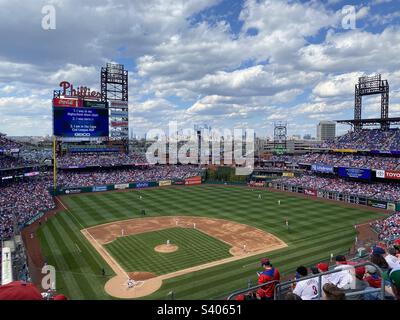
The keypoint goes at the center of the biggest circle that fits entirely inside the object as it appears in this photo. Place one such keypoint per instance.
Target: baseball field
(199, 242)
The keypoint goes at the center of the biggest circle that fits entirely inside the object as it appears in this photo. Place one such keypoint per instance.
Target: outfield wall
(338, 196)
(123, 186)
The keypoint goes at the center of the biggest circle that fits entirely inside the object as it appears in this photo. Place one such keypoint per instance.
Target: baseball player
(122, 232)
(287, 223)
(279, 202)
(131, 283)
(306, 289)
(259, 196)
(140, 197)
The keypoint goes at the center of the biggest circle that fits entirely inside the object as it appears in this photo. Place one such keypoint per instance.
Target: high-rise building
(326, 130)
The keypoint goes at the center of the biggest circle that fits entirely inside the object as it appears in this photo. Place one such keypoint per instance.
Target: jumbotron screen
(80, 122)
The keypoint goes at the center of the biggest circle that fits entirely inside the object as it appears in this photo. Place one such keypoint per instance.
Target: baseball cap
(19, 290)
(378, 250)
(370, 269)
(324, 267)
(240, 297)
(265, 262)
(397, 241)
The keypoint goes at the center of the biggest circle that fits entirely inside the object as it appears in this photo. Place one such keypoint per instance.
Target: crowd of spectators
(389, 228)
(343, 160)
(382, 191)
(30, 197)
(10, 162)
(105, 176)
(23, 201)
(367, 139)
(350, 280)
(7, 144)
(104, 160)
(35, 156)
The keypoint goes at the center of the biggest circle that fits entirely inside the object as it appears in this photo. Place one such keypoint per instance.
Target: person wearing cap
(374, 282)
(305, 289)
(323, 267)
(377, 257)
(342, 279)
(19, 290)
(372, 277)
(270, 273)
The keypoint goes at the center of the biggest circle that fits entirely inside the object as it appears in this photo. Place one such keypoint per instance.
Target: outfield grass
(317, 229)
(136, 252)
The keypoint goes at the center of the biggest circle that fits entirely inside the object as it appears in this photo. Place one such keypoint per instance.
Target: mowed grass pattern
(317, 229)
(136, 252)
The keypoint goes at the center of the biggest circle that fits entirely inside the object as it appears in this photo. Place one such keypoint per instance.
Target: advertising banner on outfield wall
(99, 188)
(391, 206)
(377, 204)
(310, 192)
(356, 173)
(121, 186)
(164, 183)
(179, 182)
(323, 168)
(73, 191)
(256, 184)
(193, 180)
(140, 185)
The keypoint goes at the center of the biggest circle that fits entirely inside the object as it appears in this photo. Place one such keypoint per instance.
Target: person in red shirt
(269, 273)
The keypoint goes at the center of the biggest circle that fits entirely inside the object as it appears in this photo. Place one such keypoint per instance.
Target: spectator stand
(282, 288)
(14, 262)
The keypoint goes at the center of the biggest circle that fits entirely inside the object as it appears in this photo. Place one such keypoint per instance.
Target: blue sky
(225, 63)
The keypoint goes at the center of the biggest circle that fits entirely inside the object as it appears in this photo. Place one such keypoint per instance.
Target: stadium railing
(250, 289)
(6, 266)
(283, 287)
(380, 290)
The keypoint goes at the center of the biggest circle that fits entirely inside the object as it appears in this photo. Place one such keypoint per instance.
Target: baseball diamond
(317, 228)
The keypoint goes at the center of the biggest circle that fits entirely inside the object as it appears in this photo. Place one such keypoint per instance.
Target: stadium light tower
(371, 86)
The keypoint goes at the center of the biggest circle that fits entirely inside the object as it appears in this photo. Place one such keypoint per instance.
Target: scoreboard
(80, 120)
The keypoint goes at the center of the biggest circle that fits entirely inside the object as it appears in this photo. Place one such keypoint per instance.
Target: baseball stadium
(93, 212)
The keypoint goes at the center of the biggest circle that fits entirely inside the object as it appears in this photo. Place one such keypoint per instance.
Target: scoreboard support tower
(114, 90)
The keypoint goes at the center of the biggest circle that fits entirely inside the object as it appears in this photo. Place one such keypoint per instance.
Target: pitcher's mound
(166, 248)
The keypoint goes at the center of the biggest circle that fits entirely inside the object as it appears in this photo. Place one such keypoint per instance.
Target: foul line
(96, 242)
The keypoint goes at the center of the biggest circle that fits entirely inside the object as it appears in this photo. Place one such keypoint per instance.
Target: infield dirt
(245, 241)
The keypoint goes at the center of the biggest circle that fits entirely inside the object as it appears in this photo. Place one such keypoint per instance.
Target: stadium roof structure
(371, 122)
